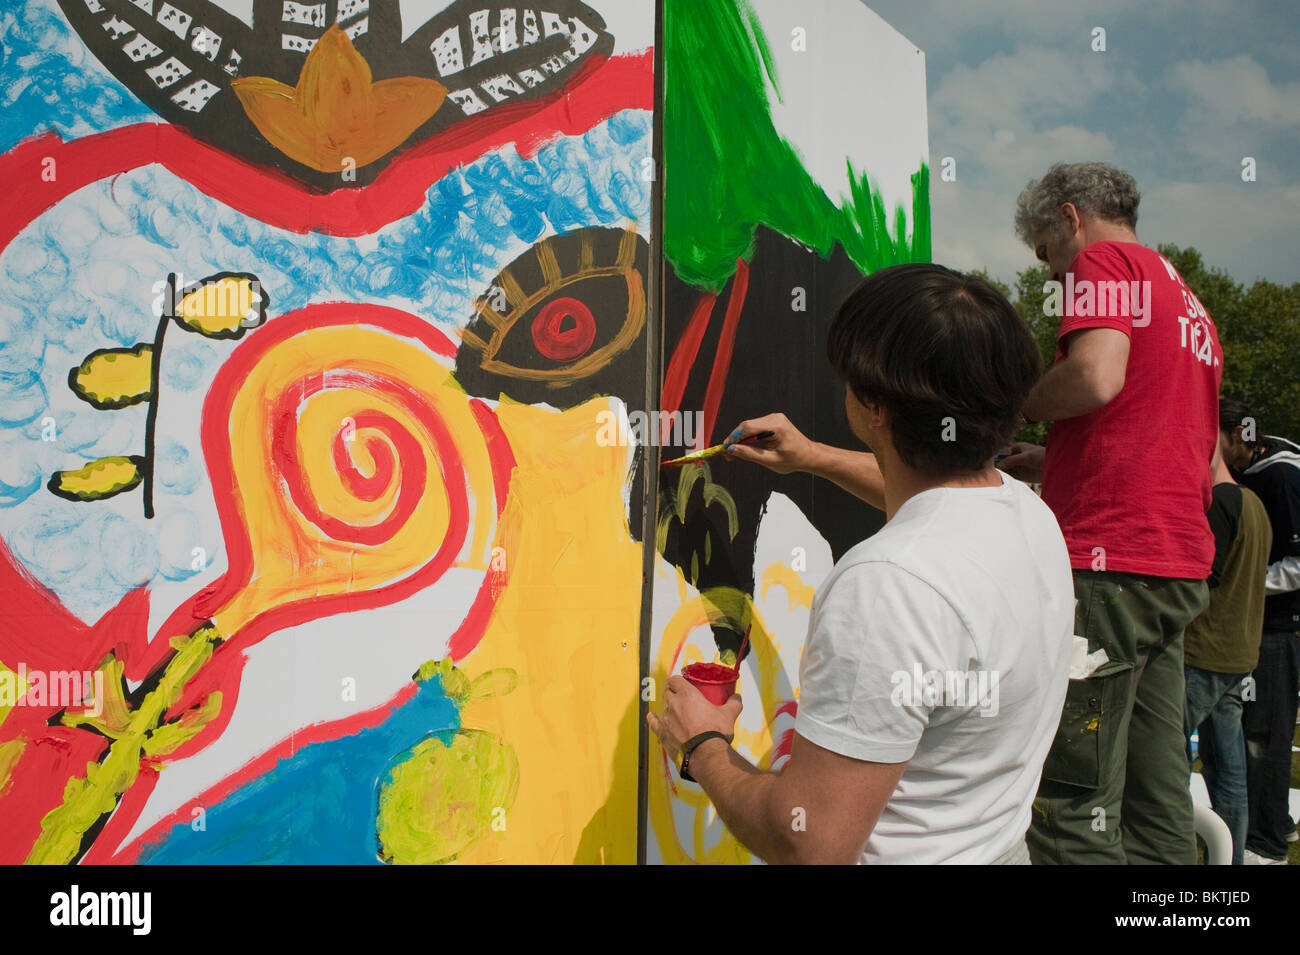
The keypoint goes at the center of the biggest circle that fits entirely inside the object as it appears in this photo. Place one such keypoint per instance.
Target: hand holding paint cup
(715, 681)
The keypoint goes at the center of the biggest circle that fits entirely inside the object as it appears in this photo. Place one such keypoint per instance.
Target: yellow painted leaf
(114, 718)
(100, 479)
(166, 739)
(114, 377)
(223, 306)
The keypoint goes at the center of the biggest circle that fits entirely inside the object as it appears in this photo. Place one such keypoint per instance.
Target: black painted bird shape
(330, 92)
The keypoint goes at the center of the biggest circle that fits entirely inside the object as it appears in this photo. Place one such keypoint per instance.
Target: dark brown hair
(945, 354)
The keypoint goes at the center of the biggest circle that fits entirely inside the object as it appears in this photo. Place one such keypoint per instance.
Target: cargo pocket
(1089, 728)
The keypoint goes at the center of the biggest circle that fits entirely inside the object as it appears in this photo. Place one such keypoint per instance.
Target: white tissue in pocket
(1083, 663)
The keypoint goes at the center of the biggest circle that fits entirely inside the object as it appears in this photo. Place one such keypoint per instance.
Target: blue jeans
(1269, 722)
(1214, 705)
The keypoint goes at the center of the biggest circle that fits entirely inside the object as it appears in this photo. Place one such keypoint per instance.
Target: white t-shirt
(944, 640)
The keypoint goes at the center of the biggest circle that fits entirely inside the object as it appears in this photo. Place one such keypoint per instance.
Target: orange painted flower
(337, 117)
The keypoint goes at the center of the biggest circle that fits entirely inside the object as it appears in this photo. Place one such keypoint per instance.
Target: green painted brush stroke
(729, 170)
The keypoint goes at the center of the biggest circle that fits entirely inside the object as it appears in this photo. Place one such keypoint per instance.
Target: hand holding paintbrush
(771, 441)
(717, 449)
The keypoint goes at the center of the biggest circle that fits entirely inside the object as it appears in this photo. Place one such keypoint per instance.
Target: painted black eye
(561, 322)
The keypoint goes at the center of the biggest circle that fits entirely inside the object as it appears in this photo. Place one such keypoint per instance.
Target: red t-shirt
(1130, 482)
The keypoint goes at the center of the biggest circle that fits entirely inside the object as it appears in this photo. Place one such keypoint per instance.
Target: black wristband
(689, 747)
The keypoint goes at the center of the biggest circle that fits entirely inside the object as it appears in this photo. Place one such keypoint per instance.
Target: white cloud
(1007, 117)
(1247, 228)
(1005, 121)
(1235, 90)
(1064, 24)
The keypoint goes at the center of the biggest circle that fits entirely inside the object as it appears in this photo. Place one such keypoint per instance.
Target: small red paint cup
(715, 681)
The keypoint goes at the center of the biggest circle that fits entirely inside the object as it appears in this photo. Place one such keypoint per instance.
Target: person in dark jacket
(1222, 644)
(1270, 467)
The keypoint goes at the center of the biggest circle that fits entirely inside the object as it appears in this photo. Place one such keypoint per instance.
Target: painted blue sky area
(85, 274)
(317, 807)
(50, 81)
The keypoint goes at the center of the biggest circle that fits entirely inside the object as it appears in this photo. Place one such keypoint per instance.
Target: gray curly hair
(1093, 187)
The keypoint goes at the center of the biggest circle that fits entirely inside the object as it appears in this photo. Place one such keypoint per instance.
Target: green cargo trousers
(1115, 784)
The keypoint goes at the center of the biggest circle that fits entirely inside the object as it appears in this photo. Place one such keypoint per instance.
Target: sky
(1184, 91)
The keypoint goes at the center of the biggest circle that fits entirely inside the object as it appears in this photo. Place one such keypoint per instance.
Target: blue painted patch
(317, 807)
(53, 83)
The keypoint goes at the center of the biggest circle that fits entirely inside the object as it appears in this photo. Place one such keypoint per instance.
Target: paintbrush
(716, 449)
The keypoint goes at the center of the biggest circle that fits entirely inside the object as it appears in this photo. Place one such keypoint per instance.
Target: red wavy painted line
(603, 87)
(789, 707)
(782, 748)
(474, 626)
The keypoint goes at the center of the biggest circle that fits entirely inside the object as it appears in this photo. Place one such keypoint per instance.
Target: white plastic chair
(1215, 834)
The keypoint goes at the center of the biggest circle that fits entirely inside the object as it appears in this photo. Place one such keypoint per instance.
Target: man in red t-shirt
(1133, 401)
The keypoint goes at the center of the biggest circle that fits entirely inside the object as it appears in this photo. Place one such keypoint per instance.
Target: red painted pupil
(564, 329)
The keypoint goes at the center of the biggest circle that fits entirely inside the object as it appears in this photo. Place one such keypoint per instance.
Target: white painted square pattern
(140, 48)
(195, 96)
(167, 72)
(306, 14)
(206, 43)
(468, 101)
(498, 87)
(531, 33)
(117, 28)
(506, 37)
(177, 21)
(447, 55)
(350, 8)
(298, 44)
(481, 35)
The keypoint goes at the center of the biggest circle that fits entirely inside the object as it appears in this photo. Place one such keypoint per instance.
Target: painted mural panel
(310, 314)
(795, 162)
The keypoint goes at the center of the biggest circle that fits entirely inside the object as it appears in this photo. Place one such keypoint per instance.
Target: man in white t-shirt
(937, 655)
